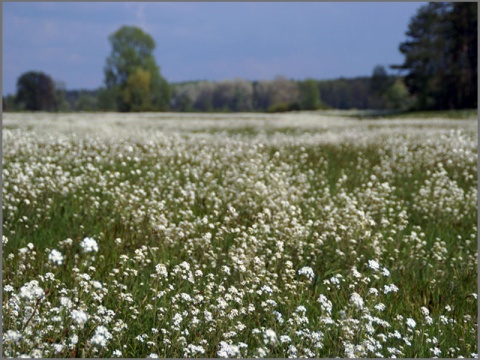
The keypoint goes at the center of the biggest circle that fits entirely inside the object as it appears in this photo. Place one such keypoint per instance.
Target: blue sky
(200, 40)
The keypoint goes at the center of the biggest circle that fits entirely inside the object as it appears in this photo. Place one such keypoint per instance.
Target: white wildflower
(117, 353)
(269, 337)
(356, 300)
(355, 273)
(65, 302)
(56, 257)
(292, 352)
(101, 336)
(261, 352)
(208, 316)
(373, 291)
(325, 304)
(389, 288)
(285, 339)
(267, 289)
(308, 272)
(301, 309)
(192, 349)
(186, 297)
(372, 264)
(177, 319)
(58, 348)
(411, 323)
(31, 291)
(49, 276)
(89, 245)
(161, 270)
(36, 354)
(79, 317)
(185, 265)
(74, 339)
(228, 351)
(12, 336)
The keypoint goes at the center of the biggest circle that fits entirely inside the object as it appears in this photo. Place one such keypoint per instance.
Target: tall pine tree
(441, 56)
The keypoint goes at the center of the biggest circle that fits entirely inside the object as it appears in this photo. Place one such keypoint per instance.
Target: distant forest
(439, 72)
(380, 91)
(281, 94)
(377, 92)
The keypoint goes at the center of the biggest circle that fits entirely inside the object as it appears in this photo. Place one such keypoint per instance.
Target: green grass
(447, 114)
(296, 202)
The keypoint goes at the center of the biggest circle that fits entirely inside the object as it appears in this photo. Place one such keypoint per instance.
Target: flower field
(238, 235)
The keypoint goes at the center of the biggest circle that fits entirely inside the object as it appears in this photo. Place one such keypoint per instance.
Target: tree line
(376, 92)
(239, 95)
(439, 72)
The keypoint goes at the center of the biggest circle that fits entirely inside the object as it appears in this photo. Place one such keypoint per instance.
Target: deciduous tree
(126, 68)
(36, 92)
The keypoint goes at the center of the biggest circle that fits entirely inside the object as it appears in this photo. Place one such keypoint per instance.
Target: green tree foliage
(380, 81)
(309, 95)
(182, 98)
(233, 95)
(61, 101)
(285, 94)
(346, 93)
(204, 96)
(397, 96)
(463, 18)
(86, 102)
(137, 91)
(387, 91)
(126, 72)
(9, 104)
(107, 99)
(441, 56)
(281, 94)
(36, 92)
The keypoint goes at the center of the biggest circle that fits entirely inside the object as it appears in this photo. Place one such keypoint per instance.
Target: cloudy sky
(212, 41)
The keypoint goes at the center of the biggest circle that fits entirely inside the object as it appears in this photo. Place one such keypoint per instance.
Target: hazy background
(211, 41)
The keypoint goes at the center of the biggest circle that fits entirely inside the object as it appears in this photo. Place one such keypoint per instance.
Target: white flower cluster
(101, 336)
(56, 257)
(89, 244)
(308, 272)
(31, 291)
(295, 236)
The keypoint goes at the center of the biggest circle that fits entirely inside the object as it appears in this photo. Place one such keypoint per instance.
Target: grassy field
(289, 235)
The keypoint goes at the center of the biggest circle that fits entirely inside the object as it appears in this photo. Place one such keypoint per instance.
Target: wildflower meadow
(239, 235)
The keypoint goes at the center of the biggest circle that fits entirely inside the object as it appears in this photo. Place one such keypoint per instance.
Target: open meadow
(239, 235)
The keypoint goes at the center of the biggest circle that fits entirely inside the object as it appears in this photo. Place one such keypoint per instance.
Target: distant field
(239, 235)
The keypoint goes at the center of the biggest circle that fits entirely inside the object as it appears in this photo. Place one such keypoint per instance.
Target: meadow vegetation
(299, 235)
